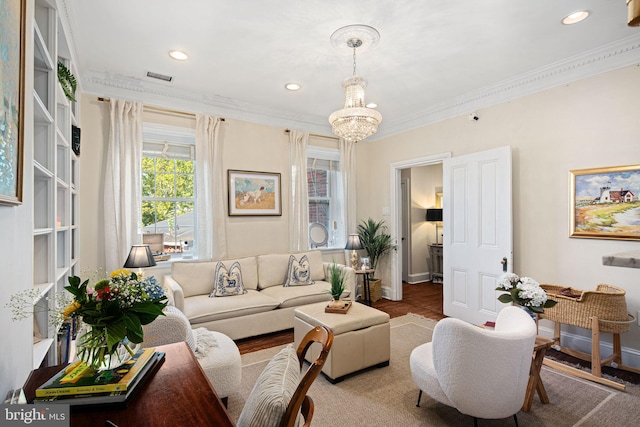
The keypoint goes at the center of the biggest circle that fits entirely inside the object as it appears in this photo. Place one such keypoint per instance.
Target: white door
(405, 229)
(477, 232)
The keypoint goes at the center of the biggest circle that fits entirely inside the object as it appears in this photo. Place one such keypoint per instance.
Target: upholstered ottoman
(361, 338)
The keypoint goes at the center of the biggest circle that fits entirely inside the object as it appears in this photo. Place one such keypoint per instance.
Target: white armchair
(480, 372)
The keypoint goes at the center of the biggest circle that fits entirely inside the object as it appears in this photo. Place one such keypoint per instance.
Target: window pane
(319, 212)
(165, 165)
(184, 186)
(147, 164)
(317, 181)
(165, 185)
(184, 166)
(148, 215)
(148, 184)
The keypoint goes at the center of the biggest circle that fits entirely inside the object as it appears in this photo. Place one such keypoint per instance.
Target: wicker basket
(376, 289)
(607, 302)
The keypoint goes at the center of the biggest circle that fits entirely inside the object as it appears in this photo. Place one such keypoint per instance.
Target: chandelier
(355, 121)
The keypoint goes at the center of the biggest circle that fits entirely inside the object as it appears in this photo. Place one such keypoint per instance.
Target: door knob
(504, 263)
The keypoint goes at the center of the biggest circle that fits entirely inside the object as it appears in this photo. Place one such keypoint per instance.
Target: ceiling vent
(159, 76)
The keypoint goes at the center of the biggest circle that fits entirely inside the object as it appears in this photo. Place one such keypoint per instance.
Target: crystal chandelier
(355, 121)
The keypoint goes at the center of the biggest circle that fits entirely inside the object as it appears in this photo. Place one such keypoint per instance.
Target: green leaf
(115, 331)
(505, 298)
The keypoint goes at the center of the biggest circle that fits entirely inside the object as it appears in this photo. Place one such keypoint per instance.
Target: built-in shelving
(55, 171)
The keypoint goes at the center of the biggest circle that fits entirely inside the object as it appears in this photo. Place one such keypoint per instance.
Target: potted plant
(67, 81)
(336, 278)
(375, 240)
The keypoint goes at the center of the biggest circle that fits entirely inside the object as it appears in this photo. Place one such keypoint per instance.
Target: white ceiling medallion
(355, 121)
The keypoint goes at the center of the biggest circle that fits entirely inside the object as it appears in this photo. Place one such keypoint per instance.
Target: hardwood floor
(424, 299)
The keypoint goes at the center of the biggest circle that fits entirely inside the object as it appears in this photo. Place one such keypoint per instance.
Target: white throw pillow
(228, 281)
(274, 388)
(298, 272)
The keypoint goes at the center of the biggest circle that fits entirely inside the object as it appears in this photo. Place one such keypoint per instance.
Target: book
(78, 378)
(109, 398)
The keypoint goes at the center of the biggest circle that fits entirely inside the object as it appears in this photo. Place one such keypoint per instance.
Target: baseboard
(418, 278)
(630, 356)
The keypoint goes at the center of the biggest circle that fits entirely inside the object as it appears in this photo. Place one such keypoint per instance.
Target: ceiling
(435, 59)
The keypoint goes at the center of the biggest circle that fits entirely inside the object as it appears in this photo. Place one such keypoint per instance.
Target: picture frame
(605, 203)
(254, 193)
(12, 75)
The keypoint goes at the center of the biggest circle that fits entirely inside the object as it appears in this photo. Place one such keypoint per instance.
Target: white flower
(508, 281)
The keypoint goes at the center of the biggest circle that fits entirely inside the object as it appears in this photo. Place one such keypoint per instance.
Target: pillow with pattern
(298, 272)
(228, 281)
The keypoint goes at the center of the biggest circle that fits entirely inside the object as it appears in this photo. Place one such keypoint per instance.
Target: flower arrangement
(115, 309)
(523, 291)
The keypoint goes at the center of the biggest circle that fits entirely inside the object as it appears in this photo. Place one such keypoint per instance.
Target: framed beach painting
(254, 193)
(604, 203)
(12, 51)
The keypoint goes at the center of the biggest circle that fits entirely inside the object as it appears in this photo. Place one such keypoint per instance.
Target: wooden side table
(366, 290)
(535, 382)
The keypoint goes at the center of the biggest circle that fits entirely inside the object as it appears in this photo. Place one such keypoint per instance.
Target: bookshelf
(55, 171)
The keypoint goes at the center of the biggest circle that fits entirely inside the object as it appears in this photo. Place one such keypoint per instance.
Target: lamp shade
(434, 215)
(140, 256)
(353, 242)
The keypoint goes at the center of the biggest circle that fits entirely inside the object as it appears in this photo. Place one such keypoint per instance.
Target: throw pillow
(228, 281)
(298, 272)
(272, 392)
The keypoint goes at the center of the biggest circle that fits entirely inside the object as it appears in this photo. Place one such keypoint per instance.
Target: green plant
(375, 240)
(67, 81)
(336, 278)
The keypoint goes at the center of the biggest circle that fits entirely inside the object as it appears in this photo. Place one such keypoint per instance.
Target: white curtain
(299, 206)
(348, 172)
(123, 182)
(211, 238)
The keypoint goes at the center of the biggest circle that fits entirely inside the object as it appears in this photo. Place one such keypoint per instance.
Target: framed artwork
(254, 193)
(604, 203)
(12, 48)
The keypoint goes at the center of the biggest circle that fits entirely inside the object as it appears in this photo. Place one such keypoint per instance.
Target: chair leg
(419, 397)
(515, 417)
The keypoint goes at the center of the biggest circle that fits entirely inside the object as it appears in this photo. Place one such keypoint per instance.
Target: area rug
(387, 396)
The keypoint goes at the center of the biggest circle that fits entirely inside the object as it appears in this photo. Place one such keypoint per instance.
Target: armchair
(480, 372)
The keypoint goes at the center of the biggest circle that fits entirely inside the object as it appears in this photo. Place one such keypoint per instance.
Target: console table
(435, 258)
(179, 394)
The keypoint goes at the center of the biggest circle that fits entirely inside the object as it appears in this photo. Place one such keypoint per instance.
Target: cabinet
(435, 263)
(55, 171)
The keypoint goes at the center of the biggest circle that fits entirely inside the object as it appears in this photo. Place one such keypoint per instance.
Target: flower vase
(92, 349)
(529, 312)
(336, 303)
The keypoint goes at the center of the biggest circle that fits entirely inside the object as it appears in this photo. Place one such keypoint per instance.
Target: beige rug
(387, 396)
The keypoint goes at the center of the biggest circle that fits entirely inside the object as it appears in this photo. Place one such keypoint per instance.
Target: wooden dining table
(177, 394)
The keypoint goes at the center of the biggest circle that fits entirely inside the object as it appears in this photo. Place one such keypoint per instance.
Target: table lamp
(434, 215)
(140, 256)
(354, 244)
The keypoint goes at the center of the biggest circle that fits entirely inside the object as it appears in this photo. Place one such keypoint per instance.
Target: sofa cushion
(198, 277)
(298, 272)
(272, 392)
(272, 270)
(201, 308)
(294, 296)
(228, 280)
(316, 263)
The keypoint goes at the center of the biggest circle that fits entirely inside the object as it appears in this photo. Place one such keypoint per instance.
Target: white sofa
(267, 306)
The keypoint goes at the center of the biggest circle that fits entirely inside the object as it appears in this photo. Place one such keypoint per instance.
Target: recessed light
(293, 86)
(372, 105)
(575, 17)
(178, 55)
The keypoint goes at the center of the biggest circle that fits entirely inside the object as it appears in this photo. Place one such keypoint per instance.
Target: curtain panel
(299, 206)
(348, 172)
(211, 235)
(123, 182)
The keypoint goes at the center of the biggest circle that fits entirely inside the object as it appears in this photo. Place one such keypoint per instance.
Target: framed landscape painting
(254, 193)
(12, 51)
(605, 204)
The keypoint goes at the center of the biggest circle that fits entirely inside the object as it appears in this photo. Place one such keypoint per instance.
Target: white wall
(16, 253)
(586, 124)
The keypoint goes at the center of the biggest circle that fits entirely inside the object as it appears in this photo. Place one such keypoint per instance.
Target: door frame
(405, 185)
(395, 224)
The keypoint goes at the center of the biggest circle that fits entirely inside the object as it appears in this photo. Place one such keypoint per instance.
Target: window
(168, 190)
(325, 198)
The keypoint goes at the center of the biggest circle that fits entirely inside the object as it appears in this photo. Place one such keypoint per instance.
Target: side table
(366, 290)
(535, 382)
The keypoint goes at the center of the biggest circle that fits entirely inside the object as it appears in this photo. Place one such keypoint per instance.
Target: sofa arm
(174, 292)
(350, 282)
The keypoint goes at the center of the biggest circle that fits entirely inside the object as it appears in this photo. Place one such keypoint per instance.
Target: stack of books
(77, 384)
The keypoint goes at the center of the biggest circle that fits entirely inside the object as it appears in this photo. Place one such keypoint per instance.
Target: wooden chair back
(324, 336)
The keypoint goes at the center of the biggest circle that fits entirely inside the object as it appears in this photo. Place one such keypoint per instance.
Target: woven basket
(607, 302)
(376, 289)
